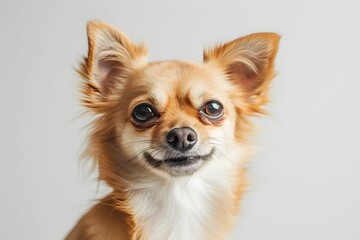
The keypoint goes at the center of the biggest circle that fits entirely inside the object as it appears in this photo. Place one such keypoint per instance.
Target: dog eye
(143, 113)
(213, 109)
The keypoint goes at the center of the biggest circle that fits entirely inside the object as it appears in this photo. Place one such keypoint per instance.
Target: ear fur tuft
(112, 57)
(248, 63)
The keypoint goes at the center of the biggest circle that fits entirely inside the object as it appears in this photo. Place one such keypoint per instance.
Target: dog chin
(181, 165)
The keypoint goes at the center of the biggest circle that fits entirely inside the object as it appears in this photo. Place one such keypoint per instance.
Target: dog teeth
(190, 158)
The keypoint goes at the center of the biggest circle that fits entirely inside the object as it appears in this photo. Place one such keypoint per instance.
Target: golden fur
(117, 77)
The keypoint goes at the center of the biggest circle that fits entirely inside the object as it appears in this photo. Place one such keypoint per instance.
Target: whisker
(226, 139)
(223, 153)
(131, 158)
(136, 178)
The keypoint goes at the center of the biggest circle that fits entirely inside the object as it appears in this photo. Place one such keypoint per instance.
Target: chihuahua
(170, 138)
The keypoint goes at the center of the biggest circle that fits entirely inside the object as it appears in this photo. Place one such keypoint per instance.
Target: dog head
(171, 117)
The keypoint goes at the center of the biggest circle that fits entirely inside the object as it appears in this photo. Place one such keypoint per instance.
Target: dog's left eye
(213, 110)
(143, 113)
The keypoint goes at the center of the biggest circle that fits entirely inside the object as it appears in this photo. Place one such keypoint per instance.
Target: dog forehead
(177, 78)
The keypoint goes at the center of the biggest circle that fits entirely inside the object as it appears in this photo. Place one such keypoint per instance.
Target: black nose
(182, 139)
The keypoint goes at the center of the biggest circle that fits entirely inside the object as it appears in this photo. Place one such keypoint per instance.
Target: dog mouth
(181, 165)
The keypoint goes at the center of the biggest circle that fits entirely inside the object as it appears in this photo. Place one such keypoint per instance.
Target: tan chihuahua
(169, 137)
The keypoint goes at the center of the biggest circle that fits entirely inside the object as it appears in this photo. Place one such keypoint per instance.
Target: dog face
(178, 116)
(172, 117)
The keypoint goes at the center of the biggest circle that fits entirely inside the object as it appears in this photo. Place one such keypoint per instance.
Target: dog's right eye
(143, 113)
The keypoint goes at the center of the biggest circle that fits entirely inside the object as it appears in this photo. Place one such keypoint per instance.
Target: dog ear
(112, 58)
(249, 63)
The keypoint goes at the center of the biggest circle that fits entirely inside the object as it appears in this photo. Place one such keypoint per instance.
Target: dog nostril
(173, 139)
(191, 138)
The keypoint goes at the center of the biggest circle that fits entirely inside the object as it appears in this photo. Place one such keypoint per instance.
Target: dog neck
(185, 207)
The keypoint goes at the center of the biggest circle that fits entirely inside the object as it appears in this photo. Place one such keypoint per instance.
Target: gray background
(305, 178)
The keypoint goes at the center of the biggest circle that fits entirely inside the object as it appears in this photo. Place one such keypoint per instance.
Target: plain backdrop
(305, 177)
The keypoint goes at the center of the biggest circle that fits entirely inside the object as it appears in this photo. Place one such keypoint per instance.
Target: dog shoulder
(103, 221)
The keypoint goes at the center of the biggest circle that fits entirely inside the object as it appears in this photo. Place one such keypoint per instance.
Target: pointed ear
(111, 59)
(249, 63)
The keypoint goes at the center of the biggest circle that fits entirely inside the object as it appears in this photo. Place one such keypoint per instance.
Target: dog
(170, 137)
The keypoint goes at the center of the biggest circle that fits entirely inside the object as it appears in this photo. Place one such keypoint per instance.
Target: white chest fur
(192, 208)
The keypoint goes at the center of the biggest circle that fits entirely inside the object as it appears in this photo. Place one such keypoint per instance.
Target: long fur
(148, 203)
